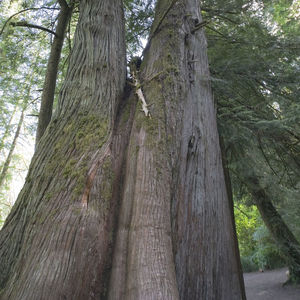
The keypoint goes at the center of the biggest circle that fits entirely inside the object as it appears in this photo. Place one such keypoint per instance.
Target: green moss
(72, 152)
(69, 167)
(48, 195)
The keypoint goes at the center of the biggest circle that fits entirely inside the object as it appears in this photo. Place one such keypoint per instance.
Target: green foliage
(247, 221)
(138, 19)
(257, 248)
(254, 62)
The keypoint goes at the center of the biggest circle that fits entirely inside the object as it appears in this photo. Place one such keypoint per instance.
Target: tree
(120, 203)
(254, 65)
(52, 69)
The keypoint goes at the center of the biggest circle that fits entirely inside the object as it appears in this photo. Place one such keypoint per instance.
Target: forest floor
(268, 285)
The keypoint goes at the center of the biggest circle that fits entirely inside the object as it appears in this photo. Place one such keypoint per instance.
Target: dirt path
(269, 286)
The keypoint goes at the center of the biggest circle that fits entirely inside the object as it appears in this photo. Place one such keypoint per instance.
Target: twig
(199, 25)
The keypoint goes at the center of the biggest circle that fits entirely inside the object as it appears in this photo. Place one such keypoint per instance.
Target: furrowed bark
(56, 242)
(51, 72)
(174, 193)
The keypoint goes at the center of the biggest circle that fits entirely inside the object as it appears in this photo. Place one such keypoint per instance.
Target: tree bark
(57, 241)
(118, 204)
(175, 195)
(52, 69)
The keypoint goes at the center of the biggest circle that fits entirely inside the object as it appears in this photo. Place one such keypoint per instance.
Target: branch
(21, 11)
(265, 156)
(25, 24)
(235, 206)
(199, 25)
(32, 115)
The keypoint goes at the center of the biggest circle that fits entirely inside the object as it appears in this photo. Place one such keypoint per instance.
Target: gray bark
(175, 195)
(56, 242)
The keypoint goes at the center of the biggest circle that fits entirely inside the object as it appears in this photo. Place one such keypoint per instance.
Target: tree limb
(21, 11)
(199, 25)
(25, 24)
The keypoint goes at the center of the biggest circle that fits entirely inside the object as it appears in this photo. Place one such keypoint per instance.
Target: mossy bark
(57, 241)
(175, 236)
(117, 204)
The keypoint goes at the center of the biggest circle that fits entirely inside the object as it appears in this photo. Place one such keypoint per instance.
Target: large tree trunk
(96, 220)
(57, 241)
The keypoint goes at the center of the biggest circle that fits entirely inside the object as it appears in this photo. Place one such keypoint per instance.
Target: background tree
(255, 85)
(28, 58)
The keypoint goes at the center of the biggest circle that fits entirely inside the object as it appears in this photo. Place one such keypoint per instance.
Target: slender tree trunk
(6, 164)
(98, 219)
(288, 244)
(52, 69)
(7, 129)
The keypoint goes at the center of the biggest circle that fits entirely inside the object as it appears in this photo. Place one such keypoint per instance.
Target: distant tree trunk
(288, 244)
(118, 204)
(7, 162)
(52, 69)
(7, 129)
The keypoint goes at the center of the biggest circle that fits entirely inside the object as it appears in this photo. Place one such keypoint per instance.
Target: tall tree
(125, 197)
(254, 64)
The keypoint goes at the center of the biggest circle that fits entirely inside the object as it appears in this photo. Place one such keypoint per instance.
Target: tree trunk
(288, 244)
(11, 150)
(57, 241)
(98, 219)
(231, 204)
(52, 69)
(7, 129)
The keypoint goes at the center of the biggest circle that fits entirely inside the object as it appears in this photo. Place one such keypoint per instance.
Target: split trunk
(117, 204)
